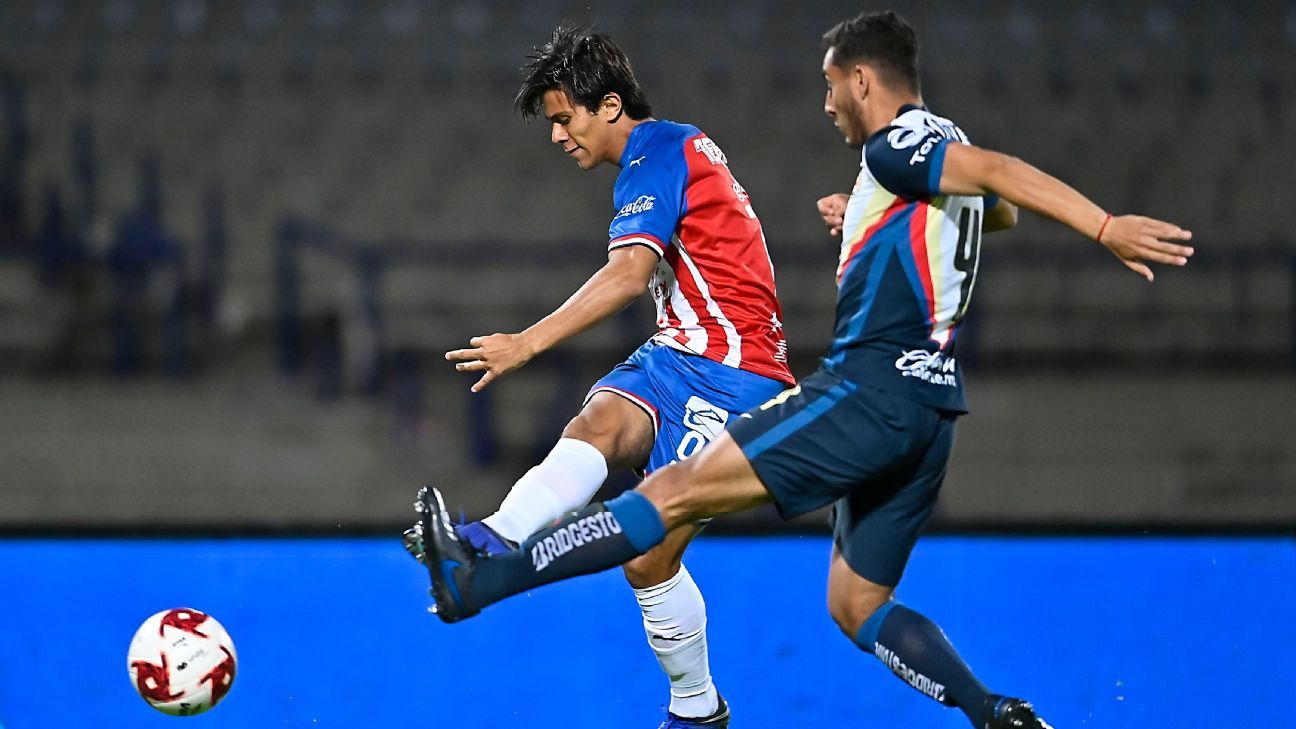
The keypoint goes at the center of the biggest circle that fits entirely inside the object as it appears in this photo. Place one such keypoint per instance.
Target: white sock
(675, 620)
(565, 480)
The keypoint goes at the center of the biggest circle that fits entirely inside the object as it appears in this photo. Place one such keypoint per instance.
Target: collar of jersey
(903, 110)
(635, 141)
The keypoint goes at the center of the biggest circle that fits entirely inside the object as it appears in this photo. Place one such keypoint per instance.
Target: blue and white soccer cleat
(718, 720)
(448, 558)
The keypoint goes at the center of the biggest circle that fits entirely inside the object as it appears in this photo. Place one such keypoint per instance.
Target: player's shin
(675, 620)
(594, 539)
(566, 479)
(917, 651)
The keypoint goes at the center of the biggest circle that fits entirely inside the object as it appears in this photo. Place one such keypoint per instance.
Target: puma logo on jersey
(634, 162)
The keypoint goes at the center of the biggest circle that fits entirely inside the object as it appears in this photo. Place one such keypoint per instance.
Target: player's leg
(615, 428)
(675, 620)
(806, 443)
(876, 528)
(610, 431)
(717, 481)
(909, 644)
(695, 398)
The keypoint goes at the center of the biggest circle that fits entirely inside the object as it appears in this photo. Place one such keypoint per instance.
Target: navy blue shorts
(877, 457)
(689, 398)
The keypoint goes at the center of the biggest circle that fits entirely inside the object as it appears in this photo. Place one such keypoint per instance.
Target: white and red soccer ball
(182, 661)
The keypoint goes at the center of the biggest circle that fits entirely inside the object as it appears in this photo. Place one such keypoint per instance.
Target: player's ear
(610, 107)
(860, 79)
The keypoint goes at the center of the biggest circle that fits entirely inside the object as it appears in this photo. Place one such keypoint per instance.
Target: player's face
(841, 103)
(584, 136)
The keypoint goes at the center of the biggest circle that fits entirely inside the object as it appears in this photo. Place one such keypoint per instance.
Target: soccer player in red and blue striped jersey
(684, 229)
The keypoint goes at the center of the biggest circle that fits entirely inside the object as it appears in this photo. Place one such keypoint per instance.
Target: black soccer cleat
(1010, 713)
(448, 559)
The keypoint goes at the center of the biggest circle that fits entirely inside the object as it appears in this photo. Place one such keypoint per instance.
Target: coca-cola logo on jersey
(641, 204)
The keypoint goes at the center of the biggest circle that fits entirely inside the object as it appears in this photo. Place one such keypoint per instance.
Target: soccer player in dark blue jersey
(871, 431)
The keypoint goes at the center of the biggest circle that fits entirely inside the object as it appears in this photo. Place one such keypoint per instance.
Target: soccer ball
(181, 662)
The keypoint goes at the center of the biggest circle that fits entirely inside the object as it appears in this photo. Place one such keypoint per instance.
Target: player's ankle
(696, 706)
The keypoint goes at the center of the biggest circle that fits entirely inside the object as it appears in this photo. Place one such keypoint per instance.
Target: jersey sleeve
(649, 198)
(907, 161)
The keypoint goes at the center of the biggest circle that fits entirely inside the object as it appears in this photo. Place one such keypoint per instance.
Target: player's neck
(624, 127)
(885, 108)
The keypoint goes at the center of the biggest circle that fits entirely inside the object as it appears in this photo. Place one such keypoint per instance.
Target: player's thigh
(696, 399)
(829, 437)
(661, 562)
(876, 526)
(716, 481)
(852, 598)
(618, 427)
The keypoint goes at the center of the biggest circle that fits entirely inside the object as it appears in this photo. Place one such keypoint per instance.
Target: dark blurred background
(236, 238)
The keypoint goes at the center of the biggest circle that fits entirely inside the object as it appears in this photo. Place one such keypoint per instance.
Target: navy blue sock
(596, 538)
(917, 651)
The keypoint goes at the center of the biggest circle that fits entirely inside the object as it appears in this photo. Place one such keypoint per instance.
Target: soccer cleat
(483, 539)
(1010, 713)
(413, 541)
(718, 720)
(447, 557)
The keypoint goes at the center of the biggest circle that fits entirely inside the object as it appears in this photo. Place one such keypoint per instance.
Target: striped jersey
(908, 262)
(714, 285)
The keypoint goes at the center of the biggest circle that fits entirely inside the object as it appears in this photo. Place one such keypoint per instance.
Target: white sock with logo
(675, 620)
(564, 481)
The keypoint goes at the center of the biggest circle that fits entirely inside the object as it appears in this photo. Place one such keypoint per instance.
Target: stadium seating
(392, 120)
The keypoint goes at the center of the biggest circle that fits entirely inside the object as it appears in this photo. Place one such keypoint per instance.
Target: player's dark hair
(883, 40)
(585, 65)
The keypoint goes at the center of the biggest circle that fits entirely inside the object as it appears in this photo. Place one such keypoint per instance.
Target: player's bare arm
(1134, 239)
(609, 290)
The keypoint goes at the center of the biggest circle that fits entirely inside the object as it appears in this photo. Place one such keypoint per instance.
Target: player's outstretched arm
(1134, 239)
(609, 290)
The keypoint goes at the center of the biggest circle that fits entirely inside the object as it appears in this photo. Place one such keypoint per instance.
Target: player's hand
(833, 211)
(496, 355)
(1137, 241)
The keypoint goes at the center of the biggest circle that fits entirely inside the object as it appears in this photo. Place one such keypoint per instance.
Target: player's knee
(651, 569)
(623, 442)
(850, 609)
(593, 430)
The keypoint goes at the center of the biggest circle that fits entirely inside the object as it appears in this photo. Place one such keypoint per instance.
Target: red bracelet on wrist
(1103, 227)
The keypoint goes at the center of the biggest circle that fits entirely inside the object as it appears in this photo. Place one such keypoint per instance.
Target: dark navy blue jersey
(908, 262)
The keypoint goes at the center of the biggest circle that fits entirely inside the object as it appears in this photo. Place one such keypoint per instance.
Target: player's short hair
(883, 40)
(585, 65)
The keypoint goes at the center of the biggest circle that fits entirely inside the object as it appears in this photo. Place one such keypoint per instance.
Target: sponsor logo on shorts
(580, 532)
(705, 422)
(910, 676)
(933, 367)
(704, 417)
